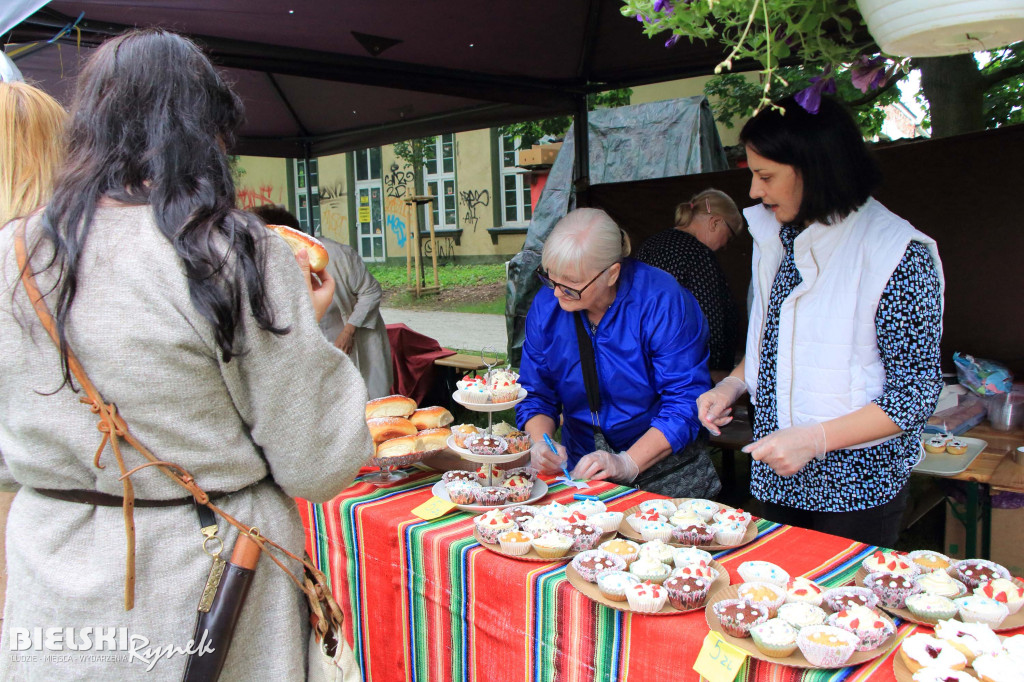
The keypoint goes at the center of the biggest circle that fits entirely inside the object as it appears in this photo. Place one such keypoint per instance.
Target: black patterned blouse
(695, 267)
(908, 328)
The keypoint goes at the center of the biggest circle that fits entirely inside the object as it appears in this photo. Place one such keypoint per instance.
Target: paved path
(467, 331)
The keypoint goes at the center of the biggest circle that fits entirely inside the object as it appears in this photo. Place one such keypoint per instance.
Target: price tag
(433, 508)
(719, 661)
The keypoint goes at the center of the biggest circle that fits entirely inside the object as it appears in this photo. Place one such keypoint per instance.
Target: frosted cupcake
(589, 507)
(801, 589)
(591, 563)
(503, 429)
(685, 516)
(728, 533)
(552, 545)
(482, 444)
(767, 595)
(613, 584)
(539, 524)
(942, 675)
(970, 639)
(554, 510)
(497, 476)
(650, 570)
(685, 556)
(521, 515)
(515, 542)
(656, 530)
(529, 472)
(890, 562)
(699, 570)
(664, 507)
(1005, 591)
(940, 584)
(738, 616)
(930, 561)
(735, 516)
(892, 589)
(658, 550)
(686, 593)
(871, 629)
(462, 492)
(490, 496)
(706, 509)
(762, 571)
(458, 475)
(801, 614)
(476, 394)
(696, 533)
(463, 431)
(520, 488)
(997, 668)
(1015, 647)
(825, 646)
(978, 609)
(637, 519)
(839, 598)
(584, 536)
(627, 549)
(574, 515)
(931, 607)
(607, 521)
(504, 386)
(518, 441)
(646, 597)
(921, 650)
(973, 572)
(774, 637)
(492, 524)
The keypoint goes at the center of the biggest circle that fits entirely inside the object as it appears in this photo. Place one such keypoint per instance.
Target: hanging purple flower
(673, 40)
(665, 6)
(868, 73)
(810, 97)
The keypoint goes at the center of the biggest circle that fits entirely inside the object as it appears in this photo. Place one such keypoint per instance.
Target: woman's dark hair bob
(826, 149)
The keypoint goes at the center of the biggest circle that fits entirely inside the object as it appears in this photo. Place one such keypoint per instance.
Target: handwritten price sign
(719, 661)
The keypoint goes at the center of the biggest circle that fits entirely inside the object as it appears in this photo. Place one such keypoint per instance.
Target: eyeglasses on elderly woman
(570, 292)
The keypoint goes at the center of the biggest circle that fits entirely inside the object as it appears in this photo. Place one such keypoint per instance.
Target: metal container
(1005, 410)
(1018, 456)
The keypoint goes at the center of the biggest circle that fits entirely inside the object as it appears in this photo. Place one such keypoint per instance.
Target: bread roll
(431, 418)
(390, 406)
(432, 439)
(397, 447)
(298, 240)
(386, 428)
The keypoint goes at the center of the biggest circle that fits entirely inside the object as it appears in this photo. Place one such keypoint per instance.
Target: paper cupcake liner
(519, 494)
(735, 627)
(492, 496)
(462, 495)
(970, 615)
(684, 601)
(475, 397)
(645, 604)
(832, 597)
(490, 533)
(824, 655)
(973, 582)
(729, 538)
(933, 613)
(869, 639)
(607, 524)
(888, 596)
(693, 537)
(617, 563)
(516, 548)
(775, 650)
(663, 534)
(925, 552)
(548, 552)
(613, 592)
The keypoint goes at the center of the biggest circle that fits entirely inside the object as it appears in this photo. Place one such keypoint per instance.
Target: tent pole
(309, 191)
(581, 160)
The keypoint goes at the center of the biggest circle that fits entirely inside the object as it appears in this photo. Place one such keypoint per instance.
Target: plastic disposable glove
(714, 407)
(545, 461)
(787, 450)
(601, 464)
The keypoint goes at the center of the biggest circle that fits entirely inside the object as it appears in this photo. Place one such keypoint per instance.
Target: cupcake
(538, 525)
(463, 431)
(768, 595)
(997, 668)
(1005, 591)
(650, 570)
(502, 429)
(734, 515)
(584, 536)
(694, 534)
(515, 542)
(941, 585)
(476, 394)
(870, 627)
(590, 507)
(665, 508)
(685, 556)
(656, 530)
(774, 637)
(892, 589)
(658, 550)
(482, 444)
(686, 593)
(646, 597)
(890, 562)
(591, 563)
(573, 515)
(520, 488)
(973, 572)
(552, 545)
(458, 475)
(504, 386)
(706, 509)
(497, 475)
(554, 510)
(492, 524)
(685, 516)
(839, 598)
(521, 515)
(930, 561)
(970, 639)
(607, 521)
(800, 589)
(518, 441)
(528, 472)
(942, 675)
(931, 607)
(492, 495)
(639, 518)
(924, 651)
(978, 609)
(613, 584)
(762, 571)
(627, 549)
(825, 646)
(1015, 647)
(462, 492)
(738, 616)
(801, 614)
(699, 569)
(728, 533)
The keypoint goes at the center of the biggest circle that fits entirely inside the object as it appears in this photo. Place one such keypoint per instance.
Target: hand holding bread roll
(431, 418)
(298, 240)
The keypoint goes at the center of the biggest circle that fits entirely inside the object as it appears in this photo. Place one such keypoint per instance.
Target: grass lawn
(464, 289)
(394, 276)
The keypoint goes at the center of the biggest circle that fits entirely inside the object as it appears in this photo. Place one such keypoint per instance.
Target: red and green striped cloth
(424, 601)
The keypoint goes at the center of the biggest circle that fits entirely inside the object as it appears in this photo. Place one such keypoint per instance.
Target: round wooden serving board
(626, 530)
(529, 556)
(590, 591)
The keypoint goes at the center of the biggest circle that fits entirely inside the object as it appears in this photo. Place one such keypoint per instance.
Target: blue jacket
(651, 352)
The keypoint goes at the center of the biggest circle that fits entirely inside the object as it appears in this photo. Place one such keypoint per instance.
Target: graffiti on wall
(334, 210)
(445, 248)
(399, 218)
(398, 183)
(332, 189)
(471, 199)
(252, 197)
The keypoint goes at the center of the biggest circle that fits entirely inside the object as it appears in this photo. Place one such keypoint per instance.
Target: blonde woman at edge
(31, 148)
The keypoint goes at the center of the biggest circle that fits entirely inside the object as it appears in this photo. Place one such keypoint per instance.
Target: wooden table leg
(971, 520)
(986, 522)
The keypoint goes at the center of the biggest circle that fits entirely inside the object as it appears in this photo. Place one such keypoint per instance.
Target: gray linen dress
(284, 420)
(357, 301)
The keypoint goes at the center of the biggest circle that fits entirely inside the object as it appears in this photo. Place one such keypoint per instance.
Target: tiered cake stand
(490, 409)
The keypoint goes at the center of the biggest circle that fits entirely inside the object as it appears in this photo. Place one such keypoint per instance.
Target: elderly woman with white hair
(632, 417)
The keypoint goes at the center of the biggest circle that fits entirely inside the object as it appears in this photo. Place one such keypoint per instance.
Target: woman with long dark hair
(842, 359)
(195, 321)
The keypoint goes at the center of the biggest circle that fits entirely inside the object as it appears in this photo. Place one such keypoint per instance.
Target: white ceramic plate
(539, 490)
(490, 407)
(484, 459)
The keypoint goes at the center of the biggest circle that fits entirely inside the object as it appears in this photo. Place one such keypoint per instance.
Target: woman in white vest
(842, 356)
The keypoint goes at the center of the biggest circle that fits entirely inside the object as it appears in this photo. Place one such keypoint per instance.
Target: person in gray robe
(197, 323)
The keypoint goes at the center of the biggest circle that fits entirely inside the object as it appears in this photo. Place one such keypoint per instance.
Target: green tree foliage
(1004, 98)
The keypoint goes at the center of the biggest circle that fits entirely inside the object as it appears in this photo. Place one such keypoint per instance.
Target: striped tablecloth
(424, 601)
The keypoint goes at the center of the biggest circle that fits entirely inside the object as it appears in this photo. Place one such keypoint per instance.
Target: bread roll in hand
(300, 240)
(431, 418)
(390, 406)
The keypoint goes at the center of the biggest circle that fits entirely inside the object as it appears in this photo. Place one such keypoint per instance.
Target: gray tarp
(640, 142)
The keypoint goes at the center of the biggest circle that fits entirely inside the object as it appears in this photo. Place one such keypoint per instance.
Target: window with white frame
(369, 204)
(439, 181)
(516, 206)
(307, 203)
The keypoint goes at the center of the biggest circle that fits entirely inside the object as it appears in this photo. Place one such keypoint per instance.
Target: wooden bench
(465, 362)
